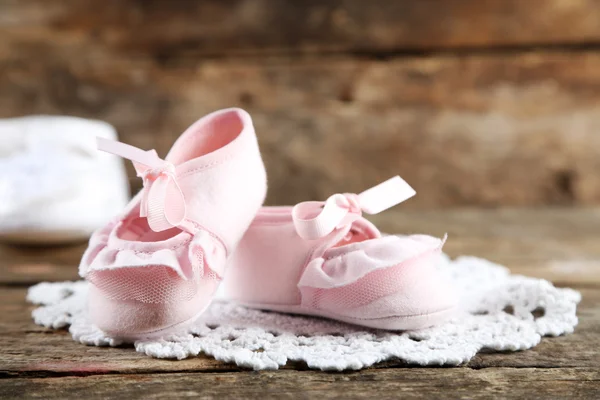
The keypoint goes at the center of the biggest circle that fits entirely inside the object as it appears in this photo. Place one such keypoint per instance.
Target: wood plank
(461, 129)
(536, 224)
(35, 351)
(457, 383)
(30, 265)
(232, 27)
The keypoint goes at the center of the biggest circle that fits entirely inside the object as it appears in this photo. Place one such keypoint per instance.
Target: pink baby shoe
(156, 267)
(325, 259)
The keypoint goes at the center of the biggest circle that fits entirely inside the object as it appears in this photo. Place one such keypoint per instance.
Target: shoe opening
(208, 135)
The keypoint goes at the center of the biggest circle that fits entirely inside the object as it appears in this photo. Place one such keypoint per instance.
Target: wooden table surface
(556, 244)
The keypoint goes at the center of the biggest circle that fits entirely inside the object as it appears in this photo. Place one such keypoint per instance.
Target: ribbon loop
(163, 202)
(314, 220)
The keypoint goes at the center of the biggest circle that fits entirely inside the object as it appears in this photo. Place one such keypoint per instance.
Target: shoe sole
(161, 333)
(394, 323)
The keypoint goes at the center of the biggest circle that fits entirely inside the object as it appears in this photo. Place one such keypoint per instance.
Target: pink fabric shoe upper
(159, 264)
(324, 258)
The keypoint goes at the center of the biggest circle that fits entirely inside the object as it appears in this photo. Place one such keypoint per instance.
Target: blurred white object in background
(54, 185)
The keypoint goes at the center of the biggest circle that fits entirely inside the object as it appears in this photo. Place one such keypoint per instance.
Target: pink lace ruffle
(187, 255)
(348, 264)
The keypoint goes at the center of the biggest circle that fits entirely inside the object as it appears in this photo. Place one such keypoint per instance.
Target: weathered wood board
(475, 103)
(242, 27)
(460, 129)
(523, 383)
(504, 127)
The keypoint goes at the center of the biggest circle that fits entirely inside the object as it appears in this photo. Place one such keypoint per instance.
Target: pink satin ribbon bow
(316, 219)
(163, 203)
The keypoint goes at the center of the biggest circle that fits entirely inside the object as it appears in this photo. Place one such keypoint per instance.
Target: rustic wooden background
(475, 103)
(559, 245)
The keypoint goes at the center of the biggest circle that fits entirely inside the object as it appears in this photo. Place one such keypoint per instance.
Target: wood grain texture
(29, 265)
(40, 363)
(572, 383)
(476, 103)
(484, 130)
(241, 27)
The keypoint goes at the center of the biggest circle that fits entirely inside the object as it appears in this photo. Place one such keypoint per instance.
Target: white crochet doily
(500, 311)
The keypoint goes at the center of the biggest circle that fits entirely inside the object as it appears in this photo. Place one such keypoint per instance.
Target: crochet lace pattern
(498, 311)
